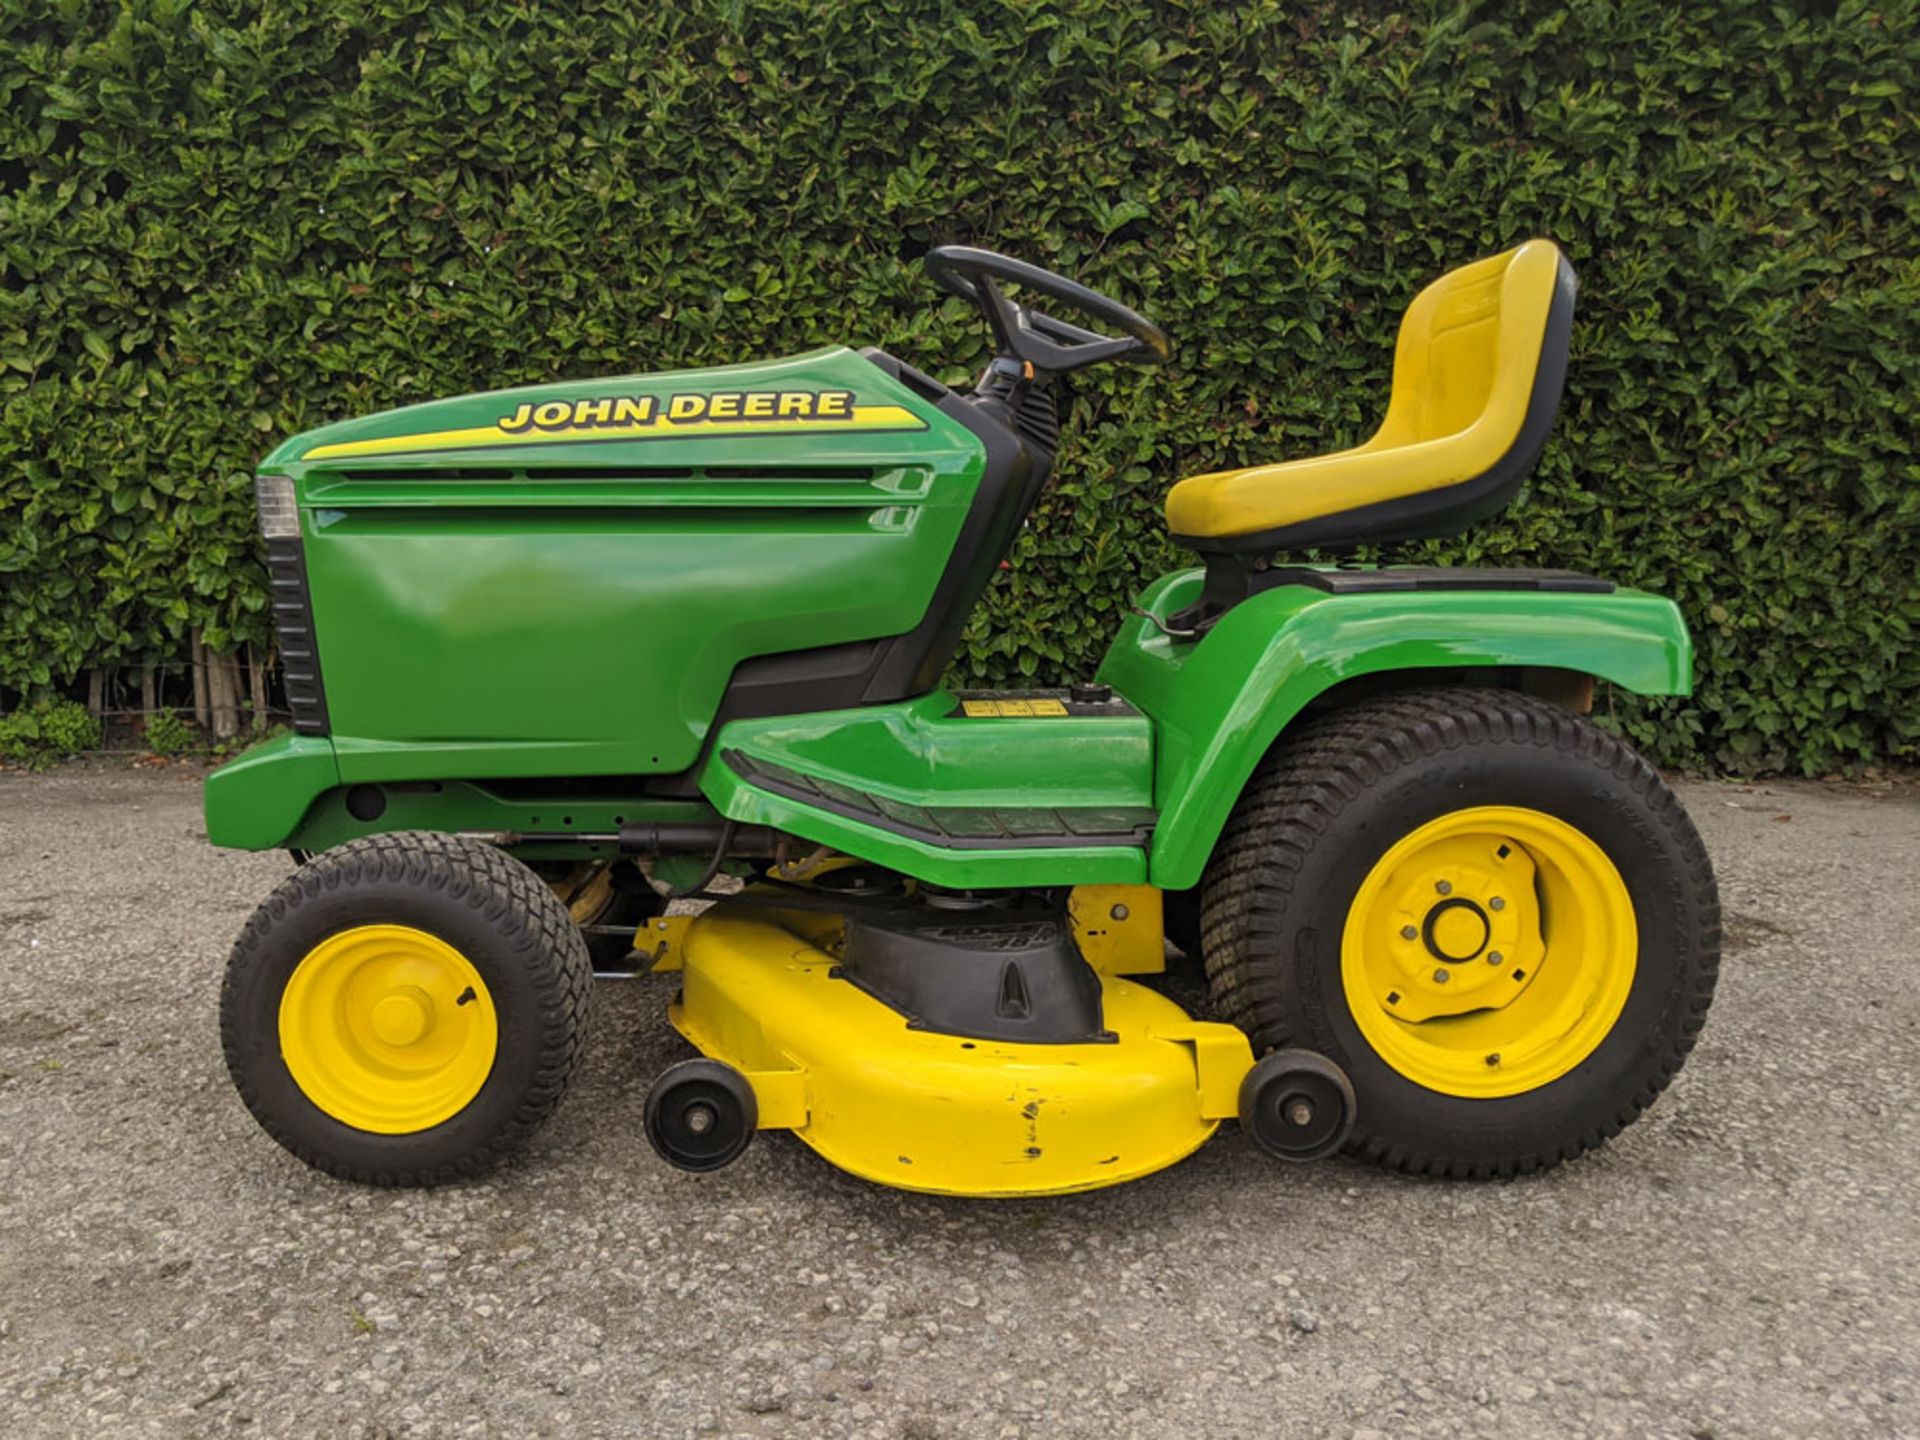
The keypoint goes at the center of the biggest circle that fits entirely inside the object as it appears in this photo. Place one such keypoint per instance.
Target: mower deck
(761, 990)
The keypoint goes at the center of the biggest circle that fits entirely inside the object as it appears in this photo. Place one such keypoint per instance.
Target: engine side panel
(561, 580)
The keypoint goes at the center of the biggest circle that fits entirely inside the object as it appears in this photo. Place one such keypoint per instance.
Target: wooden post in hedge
(216, 697)
(149, 692)
(257, 685)
(202, 701)
(223, 686)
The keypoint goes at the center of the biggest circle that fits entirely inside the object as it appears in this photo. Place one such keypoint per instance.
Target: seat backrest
(1477, 375)
(1471, 347)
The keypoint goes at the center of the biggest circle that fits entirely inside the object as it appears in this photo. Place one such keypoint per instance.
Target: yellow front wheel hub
(1489, 951)
(388, 1029)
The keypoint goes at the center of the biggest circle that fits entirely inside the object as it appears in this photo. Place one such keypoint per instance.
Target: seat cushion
(1477, 374)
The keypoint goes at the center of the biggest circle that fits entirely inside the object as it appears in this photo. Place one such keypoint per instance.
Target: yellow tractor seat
(1477, 373)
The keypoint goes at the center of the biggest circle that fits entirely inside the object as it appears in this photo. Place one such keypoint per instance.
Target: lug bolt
(1440, 977)
(1445, 887)
(700, 1118)
(1494, 957)
(1407, 932)
(1300, 1112)
(1496, 903)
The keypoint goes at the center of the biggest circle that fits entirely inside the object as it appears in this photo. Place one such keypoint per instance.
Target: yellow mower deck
(942, 1113)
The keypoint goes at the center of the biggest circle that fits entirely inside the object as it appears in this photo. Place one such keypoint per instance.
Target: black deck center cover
(996, 973)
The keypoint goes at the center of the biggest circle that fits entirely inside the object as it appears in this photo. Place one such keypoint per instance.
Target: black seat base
(1234, 578)
(1369, 580)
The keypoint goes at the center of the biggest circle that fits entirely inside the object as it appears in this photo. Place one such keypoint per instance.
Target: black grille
(293, 624)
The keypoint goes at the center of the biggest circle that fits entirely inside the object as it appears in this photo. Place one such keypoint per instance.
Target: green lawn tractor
(560, 656)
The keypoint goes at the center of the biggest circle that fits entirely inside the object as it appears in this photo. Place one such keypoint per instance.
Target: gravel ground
(1743, 1262)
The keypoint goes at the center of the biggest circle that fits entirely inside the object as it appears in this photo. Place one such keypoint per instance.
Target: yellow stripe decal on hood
(647, 417)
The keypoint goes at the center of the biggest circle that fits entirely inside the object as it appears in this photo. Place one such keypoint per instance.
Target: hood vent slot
(428, 473)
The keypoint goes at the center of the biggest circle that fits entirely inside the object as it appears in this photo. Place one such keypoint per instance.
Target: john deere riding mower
(559, 656)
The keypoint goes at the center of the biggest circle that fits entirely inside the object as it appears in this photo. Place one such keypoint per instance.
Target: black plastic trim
(1395, 579)
(954, 827)
(1015, 472)
(1011, 972)
(1232, 578)
(831, 677)
(918, 381)
(293, 628)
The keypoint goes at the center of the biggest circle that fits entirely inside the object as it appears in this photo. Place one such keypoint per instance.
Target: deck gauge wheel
(701, 1115)
(1297, 1105)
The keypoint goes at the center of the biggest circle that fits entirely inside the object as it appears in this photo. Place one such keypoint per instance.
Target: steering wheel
(1040, 340)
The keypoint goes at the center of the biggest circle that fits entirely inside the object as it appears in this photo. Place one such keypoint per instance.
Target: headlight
(273, 500)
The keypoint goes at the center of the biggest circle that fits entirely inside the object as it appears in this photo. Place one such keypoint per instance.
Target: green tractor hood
(808, 405)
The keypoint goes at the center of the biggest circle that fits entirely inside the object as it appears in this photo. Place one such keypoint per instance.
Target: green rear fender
(1218, 705)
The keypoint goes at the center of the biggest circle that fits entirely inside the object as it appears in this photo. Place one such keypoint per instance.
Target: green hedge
(224, 222)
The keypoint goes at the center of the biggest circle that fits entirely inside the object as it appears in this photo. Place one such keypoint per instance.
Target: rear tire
(1337, 902)
(406, 1009)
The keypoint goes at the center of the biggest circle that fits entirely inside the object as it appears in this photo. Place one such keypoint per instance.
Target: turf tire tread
(1293, 803)
(532, 923)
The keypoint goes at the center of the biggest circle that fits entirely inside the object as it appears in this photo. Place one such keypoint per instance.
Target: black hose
(713, 868)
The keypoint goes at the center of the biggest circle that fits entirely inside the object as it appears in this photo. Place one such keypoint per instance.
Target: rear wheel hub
(1455, 930)
(1489, 951)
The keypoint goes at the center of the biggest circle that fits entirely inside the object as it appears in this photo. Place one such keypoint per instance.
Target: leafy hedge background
(223, 222)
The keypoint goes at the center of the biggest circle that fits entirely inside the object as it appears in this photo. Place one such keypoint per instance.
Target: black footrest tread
(956, 827)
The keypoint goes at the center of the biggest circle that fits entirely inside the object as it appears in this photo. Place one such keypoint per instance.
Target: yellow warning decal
(1012, 709)
(647, 417)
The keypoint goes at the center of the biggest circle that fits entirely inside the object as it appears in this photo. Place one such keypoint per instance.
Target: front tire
(406, 1009)
(1492, 915)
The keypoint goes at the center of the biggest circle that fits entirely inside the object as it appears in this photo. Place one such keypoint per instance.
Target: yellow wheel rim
(388, 1029)
(1489, 951)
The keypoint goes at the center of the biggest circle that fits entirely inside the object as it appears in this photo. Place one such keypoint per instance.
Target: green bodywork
(287, 792)
(259, 800)
(924, 754)
(1208, 712)
(1219, 705)
(501, 607)
(517, 627)
(1212, 709)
